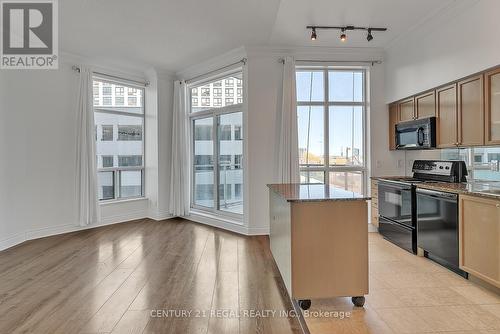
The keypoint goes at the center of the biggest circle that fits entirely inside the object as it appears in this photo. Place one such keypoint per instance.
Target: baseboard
(67, 228)
(12, 241)
(258, 231)
(219, 223)
(226, 225)
(159, 215)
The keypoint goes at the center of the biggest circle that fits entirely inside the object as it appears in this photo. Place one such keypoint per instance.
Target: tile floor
(410, 294)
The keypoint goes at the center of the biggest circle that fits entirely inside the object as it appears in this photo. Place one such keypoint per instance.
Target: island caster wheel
(305, 304)
(358, 301)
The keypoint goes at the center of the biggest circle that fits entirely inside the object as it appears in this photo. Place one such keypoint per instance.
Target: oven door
(396, 202)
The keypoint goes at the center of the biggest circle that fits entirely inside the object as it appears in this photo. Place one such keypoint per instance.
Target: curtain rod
(243, 61)
(143, 83)
(372, 62)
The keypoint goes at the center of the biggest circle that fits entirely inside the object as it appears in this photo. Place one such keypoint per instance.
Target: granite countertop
(295, 192)
(481, 189)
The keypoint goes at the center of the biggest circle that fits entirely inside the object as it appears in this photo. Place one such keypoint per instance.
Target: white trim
(157, 214)
(12, 241)
(119, 201)
(61, 229)
(225, 224)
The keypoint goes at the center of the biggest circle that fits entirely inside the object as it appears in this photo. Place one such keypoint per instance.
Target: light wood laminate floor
(109, 279)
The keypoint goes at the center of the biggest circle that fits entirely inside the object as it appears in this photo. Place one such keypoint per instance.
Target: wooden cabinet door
(492, 106)
(425, 105)
(393, 120)
(479, 238)
(407, 110)
(447, 123)
(471, 111)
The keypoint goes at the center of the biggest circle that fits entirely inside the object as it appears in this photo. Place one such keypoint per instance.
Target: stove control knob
(447, 167)
(440, 167)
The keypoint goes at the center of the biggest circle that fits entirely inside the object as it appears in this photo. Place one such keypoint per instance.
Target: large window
(217, 141)
(331, 107)
(119, 156)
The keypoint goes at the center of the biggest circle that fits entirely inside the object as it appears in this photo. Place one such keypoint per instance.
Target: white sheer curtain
(86, 167)
(288, 151)
(180, 165)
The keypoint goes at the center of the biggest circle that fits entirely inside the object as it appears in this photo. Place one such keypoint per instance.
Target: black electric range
(397, 199)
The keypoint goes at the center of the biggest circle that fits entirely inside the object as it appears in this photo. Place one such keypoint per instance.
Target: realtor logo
(29, 34)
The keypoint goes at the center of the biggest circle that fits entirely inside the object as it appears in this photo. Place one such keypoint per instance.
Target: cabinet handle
(498, 206)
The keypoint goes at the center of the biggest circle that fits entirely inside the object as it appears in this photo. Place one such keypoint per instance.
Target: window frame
(214, 113)
(326, 168)
(116, 169)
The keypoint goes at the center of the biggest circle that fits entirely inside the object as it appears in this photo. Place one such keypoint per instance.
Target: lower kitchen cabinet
(479, 238)
(374, 208)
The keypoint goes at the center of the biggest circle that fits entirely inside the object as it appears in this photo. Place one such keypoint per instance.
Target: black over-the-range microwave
(417, 134)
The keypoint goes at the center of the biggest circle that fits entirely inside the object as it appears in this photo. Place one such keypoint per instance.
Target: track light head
(343, 36)
(313, 34)
(369, 37)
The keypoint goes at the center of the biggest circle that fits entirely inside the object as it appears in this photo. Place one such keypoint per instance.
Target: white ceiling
(174, 34)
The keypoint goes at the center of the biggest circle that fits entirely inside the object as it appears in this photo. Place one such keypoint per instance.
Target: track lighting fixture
(343, 31)
(343, 36)
(369, 37)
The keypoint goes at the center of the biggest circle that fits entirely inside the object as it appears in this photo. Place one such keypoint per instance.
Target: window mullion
(326, 118)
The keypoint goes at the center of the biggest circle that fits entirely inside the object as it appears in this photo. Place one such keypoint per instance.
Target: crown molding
(212, 63)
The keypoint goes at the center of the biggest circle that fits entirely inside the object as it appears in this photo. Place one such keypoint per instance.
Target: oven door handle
(437, 194)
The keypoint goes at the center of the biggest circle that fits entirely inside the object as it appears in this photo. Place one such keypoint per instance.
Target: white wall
(38, 150)
(264, 75)
(459, 42)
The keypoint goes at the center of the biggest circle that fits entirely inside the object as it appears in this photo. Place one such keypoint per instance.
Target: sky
(344, 86)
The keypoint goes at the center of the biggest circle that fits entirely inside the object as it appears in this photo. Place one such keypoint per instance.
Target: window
(238, 161)
(129, 160)
(107, 133)
(331, 107)
(194, 101)
(205, 91)
(217, 156)
(125, 179)
(130, 132)
(211, 95)
(107, 161)
(237, 132)
(225, 132)
(483, 163)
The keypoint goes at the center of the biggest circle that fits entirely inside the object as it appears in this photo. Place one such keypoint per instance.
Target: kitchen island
(319, 241)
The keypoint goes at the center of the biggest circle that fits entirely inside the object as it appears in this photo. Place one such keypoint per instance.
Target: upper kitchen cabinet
(471, 111)
(407, 109)
(492, 106)
(447, 116)
(425, 105)
(393, 120)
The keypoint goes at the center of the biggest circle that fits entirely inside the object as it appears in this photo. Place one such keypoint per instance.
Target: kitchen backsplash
(483, 163)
